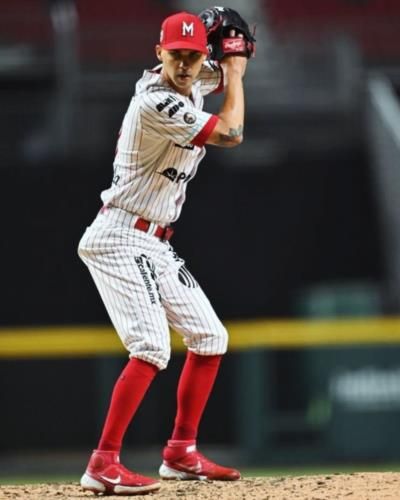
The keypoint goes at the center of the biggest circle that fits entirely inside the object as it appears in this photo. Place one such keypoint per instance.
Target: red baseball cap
(183, 31)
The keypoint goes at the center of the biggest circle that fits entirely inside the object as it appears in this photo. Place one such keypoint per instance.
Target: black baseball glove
(219, 22)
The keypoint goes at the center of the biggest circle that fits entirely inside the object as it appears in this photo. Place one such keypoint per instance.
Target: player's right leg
(105, 474)
(120, 263)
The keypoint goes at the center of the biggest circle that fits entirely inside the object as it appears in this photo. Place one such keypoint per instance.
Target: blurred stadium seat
(117, 33)
(372, 23)
(120, 32)
(25, 21)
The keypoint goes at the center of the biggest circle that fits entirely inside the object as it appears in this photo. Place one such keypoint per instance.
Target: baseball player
(145, 286)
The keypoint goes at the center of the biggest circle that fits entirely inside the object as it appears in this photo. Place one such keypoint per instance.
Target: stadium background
(295, 235)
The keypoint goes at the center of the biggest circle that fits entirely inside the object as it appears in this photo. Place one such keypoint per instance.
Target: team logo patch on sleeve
(170, 100)
(189, 118)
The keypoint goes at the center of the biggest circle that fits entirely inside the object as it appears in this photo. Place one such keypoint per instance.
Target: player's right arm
(228, 131)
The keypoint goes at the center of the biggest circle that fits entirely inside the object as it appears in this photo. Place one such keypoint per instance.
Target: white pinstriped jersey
(160, 146)
(144, 284)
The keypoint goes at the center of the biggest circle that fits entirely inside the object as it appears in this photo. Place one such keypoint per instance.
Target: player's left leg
(181, 459)
(190, 313)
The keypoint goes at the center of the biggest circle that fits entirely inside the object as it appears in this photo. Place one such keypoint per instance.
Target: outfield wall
(288, 392)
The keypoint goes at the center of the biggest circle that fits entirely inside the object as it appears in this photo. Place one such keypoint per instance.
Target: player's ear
(158, 52)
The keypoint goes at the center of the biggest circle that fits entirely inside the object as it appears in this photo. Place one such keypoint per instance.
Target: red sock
(126, 397)
(195, 384)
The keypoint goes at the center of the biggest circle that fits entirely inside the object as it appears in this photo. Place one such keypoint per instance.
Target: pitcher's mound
(357, 486)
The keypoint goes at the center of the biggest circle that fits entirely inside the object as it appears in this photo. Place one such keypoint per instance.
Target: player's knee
(156, 355)
(215, 342)
(83, 253)
(222, 342)
(80, 251)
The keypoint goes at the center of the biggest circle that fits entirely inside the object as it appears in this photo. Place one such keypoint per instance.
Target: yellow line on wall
(314, 333)
(74, 341)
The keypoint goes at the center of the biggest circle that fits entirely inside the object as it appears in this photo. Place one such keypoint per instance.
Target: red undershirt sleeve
(205, 132)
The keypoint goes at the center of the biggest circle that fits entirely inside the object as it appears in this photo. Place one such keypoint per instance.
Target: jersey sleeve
(211, 77)
(173, 117)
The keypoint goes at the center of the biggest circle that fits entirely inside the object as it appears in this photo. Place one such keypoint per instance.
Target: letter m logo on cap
(187, 29)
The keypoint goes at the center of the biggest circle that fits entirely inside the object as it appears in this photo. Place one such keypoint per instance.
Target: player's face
(181, 67)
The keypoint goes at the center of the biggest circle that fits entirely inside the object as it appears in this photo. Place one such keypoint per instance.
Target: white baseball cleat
(185, 462)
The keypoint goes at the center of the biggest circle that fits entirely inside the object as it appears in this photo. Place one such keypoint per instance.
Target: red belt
(164, 233)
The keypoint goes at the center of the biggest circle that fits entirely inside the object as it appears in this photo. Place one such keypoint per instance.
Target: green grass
(249, 472)
(315, 470)
(11, 480)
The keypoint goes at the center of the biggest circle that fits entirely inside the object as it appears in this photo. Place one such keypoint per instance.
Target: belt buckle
(168, 232)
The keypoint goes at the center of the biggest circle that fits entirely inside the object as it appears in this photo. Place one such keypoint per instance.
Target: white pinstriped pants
(145, 288)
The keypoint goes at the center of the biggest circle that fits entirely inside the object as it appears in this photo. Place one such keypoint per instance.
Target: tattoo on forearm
(233, 132)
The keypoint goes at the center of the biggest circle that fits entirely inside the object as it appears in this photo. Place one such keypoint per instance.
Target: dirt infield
(357, 486)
